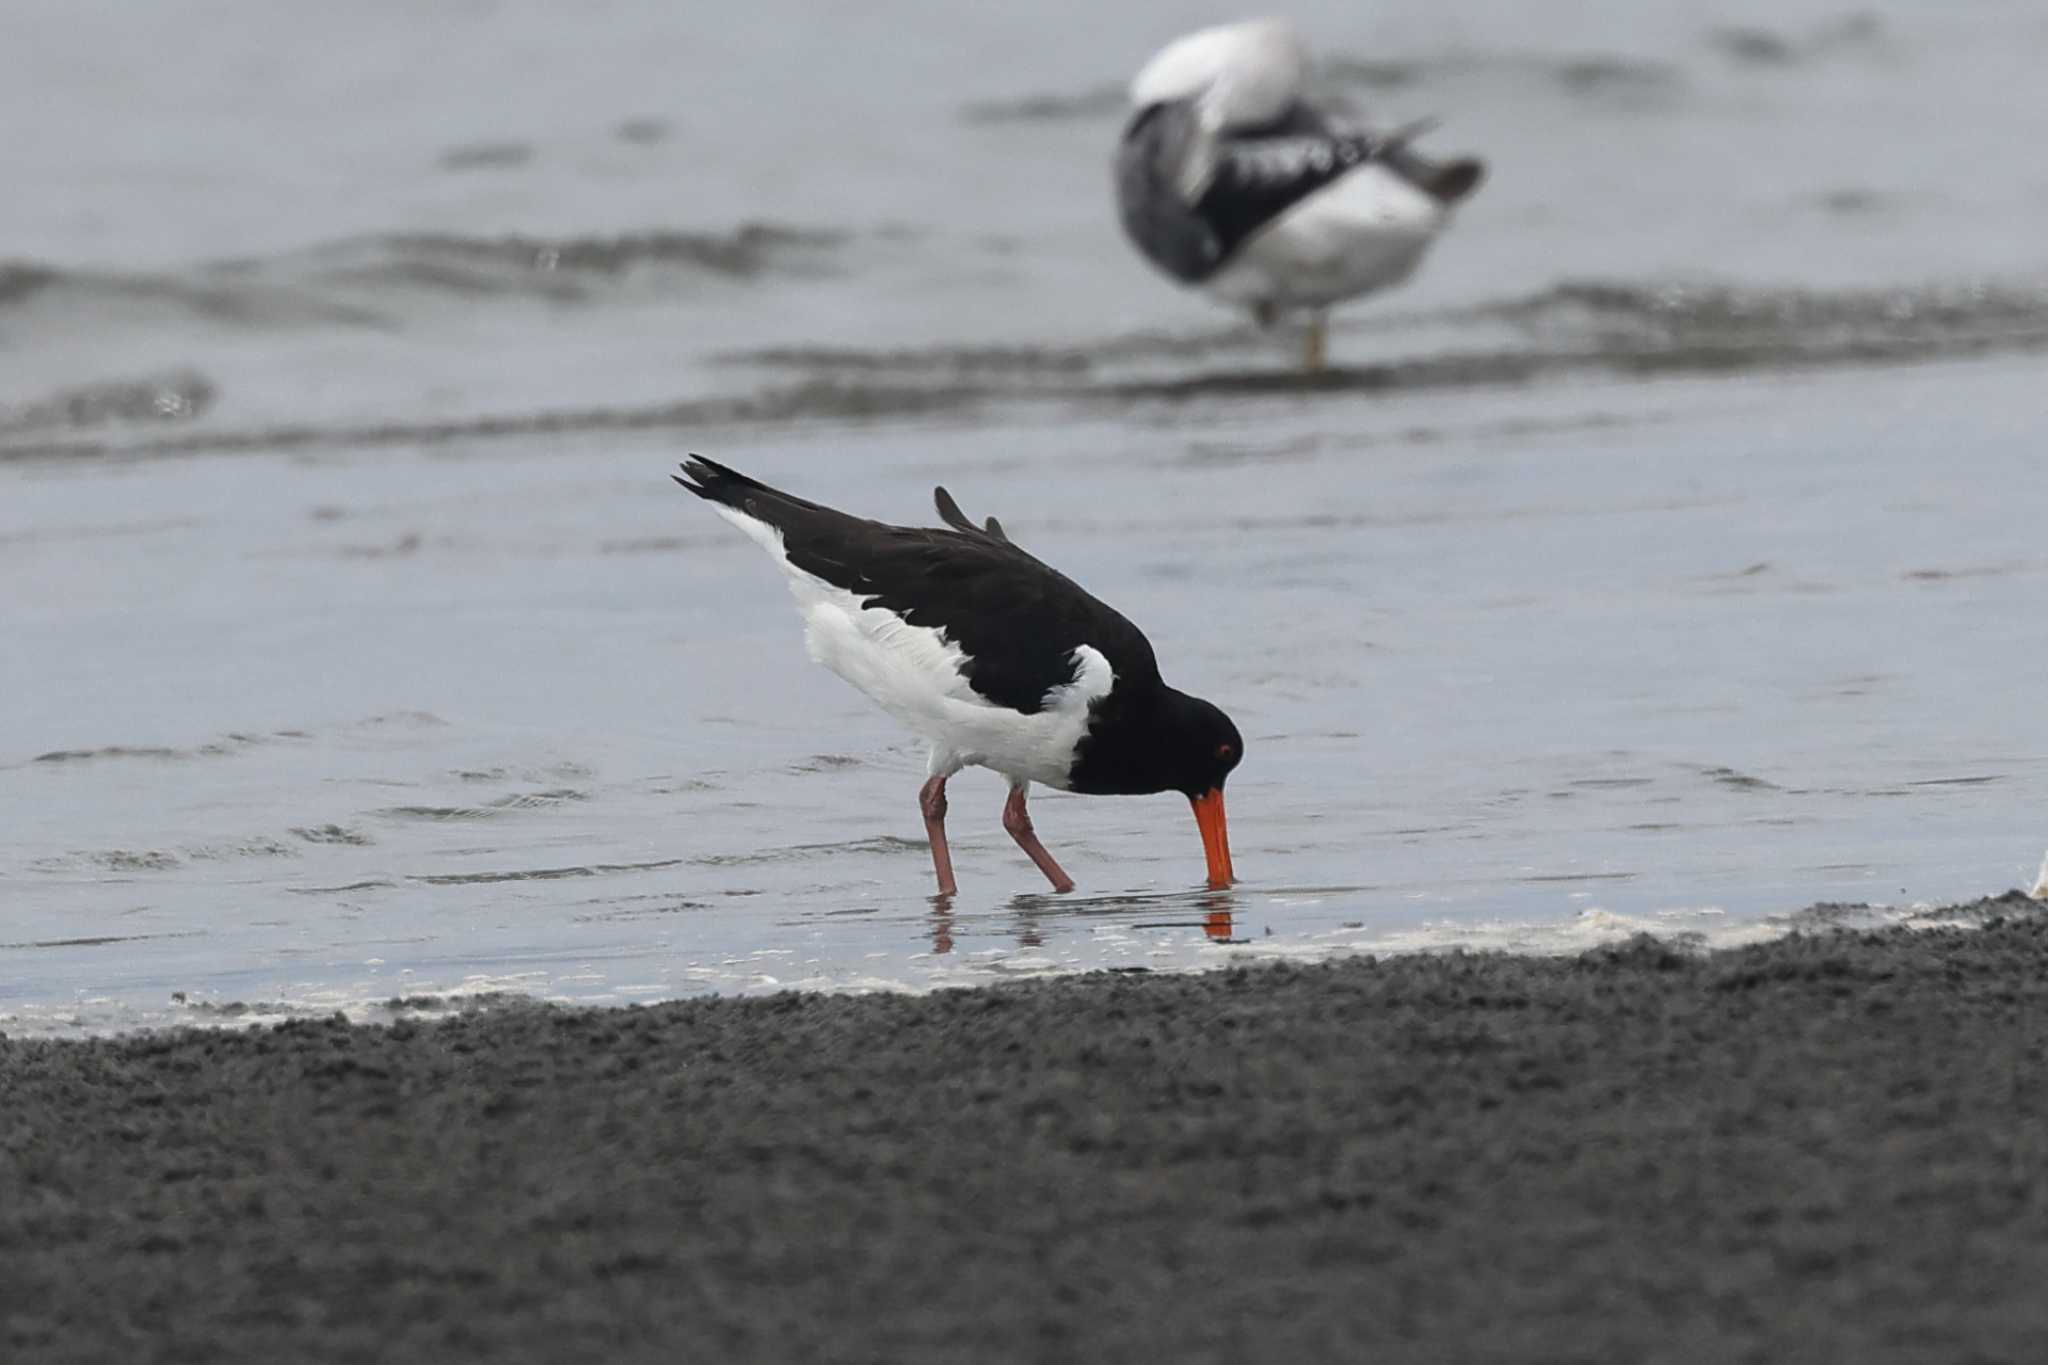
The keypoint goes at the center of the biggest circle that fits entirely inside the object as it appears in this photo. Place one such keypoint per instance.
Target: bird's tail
(729, 488)
(714, 482)
(1444, 181)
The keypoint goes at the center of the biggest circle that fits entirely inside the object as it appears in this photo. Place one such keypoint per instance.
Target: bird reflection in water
(1217, 925)
(1030, 912)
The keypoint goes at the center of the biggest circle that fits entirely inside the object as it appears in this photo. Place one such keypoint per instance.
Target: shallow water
(1669, 555)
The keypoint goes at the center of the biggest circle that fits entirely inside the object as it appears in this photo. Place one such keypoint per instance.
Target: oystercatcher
(995, 658)
(1231, 178)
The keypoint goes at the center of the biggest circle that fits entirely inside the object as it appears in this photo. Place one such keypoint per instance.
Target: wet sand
(1827, 1147)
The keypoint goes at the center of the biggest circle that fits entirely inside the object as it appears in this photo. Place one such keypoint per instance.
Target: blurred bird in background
(1233, 178)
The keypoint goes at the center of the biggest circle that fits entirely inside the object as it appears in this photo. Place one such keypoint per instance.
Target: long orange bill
(1215, 836)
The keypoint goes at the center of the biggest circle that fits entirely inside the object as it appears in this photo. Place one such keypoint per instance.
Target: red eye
(1224, 751)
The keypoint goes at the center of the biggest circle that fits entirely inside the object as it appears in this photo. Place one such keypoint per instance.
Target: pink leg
(1018, 822)
(931, 799)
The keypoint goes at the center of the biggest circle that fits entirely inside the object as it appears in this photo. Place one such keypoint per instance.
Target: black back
(1016, 619)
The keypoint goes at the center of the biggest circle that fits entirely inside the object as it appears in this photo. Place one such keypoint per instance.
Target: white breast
(919, 676)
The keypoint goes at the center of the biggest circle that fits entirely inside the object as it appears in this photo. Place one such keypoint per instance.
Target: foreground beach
(1827, 1147)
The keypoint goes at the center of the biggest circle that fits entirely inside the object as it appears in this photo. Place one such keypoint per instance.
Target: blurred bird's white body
(919, 676)
(1242, 74)
(1367, 231)
(1249, 123)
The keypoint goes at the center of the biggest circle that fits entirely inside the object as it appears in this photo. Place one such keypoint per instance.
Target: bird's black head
(1165, 741)
(1158, 740)
(1203, 745)
(1211, 747)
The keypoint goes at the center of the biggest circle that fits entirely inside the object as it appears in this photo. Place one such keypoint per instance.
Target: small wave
(165, 860)
(1005, 360)
(642, 132)
(401, 720)
(652, 545)
(1855, 201)
(815, 400)
(485, 156)
(883, 843)
(20, 280)
(228, 293)
(1729, 777)
(540, 800)
(332, 834)
(1577, 328)
(1545, 877)
(1589, 75)
(225, 1011)
(1975, 780)
(1856, 916)
(540, 874)
(828, 763)
(261, 846)
(515, 264)
(178, 396)
(1576, 324)
(379, 280)
(1052, 365)
(629, 908)
(1951, 575)
(423, 1005)
(97, 940)
(489, 810)
(217, 748)
(1579, 75)
(110, 751)
(1645, 330)
(1850, 35)
(436, 813)
(115, 860)
(1676, 312)
(1101, 101)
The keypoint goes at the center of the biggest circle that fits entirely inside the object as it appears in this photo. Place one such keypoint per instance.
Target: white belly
(1364, 232)
(919, 676)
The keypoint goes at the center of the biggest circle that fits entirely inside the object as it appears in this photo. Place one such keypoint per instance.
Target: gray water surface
(1669, 556)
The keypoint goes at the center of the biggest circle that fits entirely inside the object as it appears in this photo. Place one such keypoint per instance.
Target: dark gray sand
(1828, 1148)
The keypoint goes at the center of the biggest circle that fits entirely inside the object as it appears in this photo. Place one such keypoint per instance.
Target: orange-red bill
(1215, 836)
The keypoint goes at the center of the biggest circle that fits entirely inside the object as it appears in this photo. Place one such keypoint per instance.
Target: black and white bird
(1231, 178)
(995, 658)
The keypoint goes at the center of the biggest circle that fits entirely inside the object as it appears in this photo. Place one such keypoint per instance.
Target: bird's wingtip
(1457, 179)
(950, 513)
(702, 476)
(949, 510)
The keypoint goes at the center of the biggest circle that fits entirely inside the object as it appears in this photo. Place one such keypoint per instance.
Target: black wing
(1017, 619)
(1255, 175)
(1258, 178)
(950, 513)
